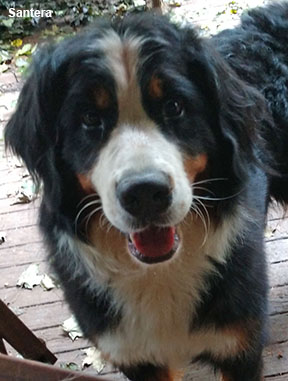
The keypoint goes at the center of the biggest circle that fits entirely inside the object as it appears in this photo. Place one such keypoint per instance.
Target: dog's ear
(237, 109)
(31, 133)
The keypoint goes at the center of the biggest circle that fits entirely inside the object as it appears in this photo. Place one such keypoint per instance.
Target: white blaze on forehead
(135, 148)
(122, 57)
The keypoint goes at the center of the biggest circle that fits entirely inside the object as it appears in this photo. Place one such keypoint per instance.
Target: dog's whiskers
(207, 198)
(210, 180)
(87, 197)
(90, 215)
(94, 202)
(204, 189)
(203, 216)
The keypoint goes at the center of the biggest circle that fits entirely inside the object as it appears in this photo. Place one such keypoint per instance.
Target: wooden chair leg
(15, 332)
(2, 347)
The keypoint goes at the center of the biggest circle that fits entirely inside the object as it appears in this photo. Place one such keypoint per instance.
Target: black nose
(146, 194)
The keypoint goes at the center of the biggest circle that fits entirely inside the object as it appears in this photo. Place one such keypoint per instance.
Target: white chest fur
(157, 302)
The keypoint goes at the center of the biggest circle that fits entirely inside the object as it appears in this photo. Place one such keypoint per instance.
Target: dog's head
(143, 115)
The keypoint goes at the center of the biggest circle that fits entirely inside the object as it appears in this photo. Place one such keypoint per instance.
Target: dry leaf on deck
(93, 358)
(30, 277)
(72, 328)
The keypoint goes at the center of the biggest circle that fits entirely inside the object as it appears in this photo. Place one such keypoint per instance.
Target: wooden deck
(44, 311)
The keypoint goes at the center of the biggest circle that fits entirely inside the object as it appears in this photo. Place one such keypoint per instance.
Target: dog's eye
(173, 108)
(91, 120)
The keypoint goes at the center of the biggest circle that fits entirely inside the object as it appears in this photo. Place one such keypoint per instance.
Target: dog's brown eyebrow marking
(102, 98)
(85, 183)
(155, 87)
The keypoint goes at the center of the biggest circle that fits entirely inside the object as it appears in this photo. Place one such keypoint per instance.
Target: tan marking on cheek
(156, 88)
(85, 183)
(195, 165)
(108, 240)
(102, 98)
(190, 243)
(225, 377)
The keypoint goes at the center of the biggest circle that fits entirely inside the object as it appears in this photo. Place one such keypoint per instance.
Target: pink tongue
(154, 241)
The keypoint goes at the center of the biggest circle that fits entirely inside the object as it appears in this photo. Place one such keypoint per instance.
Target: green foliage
(74, 13)
(17, 41)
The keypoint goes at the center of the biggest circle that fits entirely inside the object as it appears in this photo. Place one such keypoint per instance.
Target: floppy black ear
(31, 132)
(239, 110)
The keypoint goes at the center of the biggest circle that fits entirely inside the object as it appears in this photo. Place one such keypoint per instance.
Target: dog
(159, 152)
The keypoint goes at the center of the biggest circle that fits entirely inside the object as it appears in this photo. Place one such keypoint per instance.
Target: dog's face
(133, 117)
(135, 112)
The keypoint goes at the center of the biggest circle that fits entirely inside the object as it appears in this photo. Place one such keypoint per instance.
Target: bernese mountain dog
(159, 152)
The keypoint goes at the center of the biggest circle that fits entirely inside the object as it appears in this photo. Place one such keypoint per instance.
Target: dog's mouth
(154, 244)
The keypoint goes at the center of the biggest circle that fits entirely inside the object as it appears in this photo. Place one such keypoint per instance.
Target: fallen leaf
(69, 365)
(93, 358)
(27, 193)
(47, 282)
(72, 328)
(8, 23)
(25, 50)
(21, 62)
(4, 55)
(30, 277)
(269, 232)
(17, 43)
(3, 68)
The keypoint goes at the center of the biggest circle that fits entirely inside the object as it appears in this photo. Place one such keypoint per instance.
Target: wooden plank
(59, 342)
(277, 251)
(22, 218)
(23, 254)
(278, 300)
(49, 315)
(14, 369)
(17, 334)
(10, 188)
(278, 328)
(276, 359)
(277, 228)
(10, 276)
(77, 357)
(2, 347)
(278, 274)
(7, 207)
(22, 236)
(14, 175)
(23, 298)
(282, 377)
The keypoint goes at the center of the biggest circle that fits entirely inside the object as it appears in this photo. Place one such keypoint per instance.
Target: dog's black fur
(234, 87)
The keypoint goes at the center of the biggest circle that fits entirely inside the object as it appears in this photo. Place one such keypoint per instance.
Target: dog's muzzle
(147, 196)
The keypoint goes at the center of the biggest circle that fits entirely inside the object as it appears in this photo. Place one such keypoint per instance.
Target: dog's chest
(157, 305)
(156, 322)
(156, 312)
